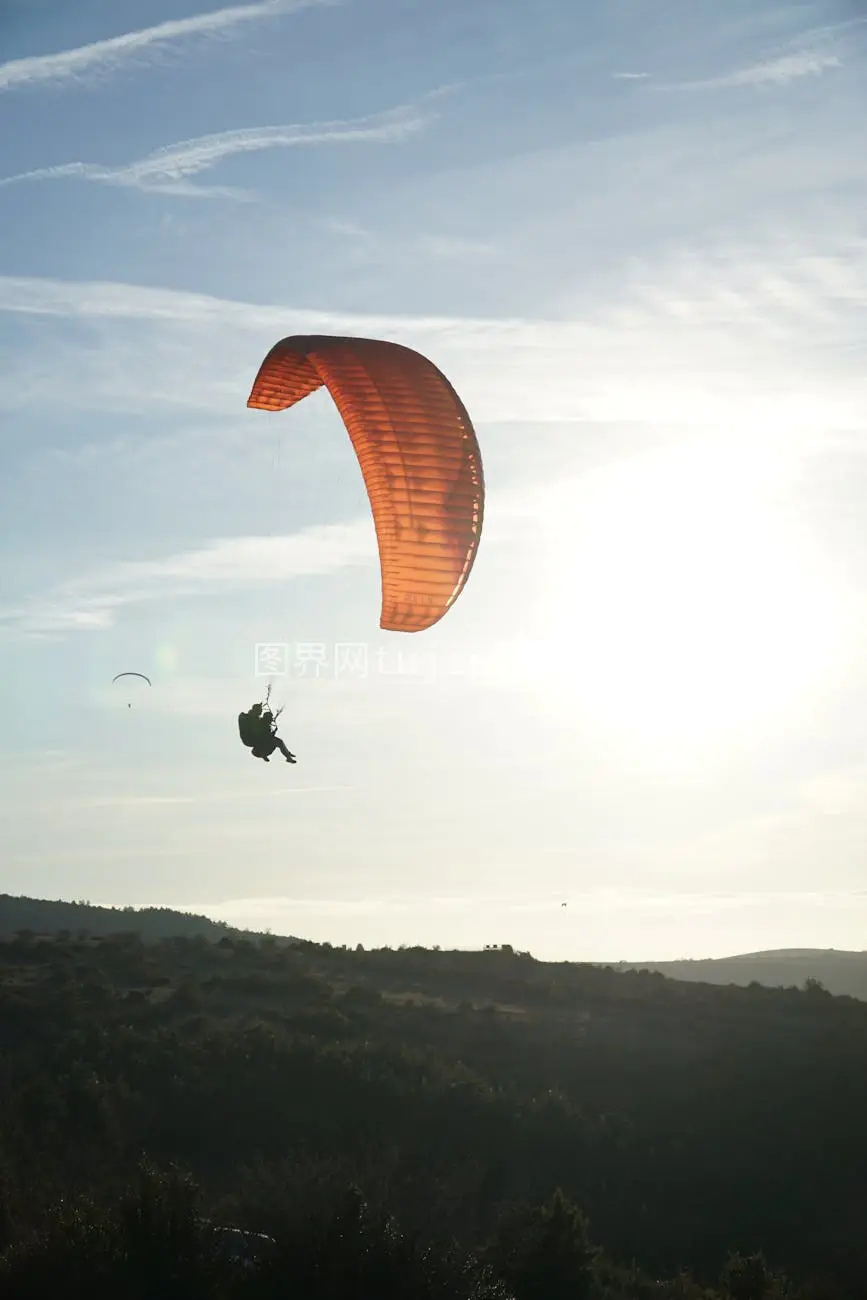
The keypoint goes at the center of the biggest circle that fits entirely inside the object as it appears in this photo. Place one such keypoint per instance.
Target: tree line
(490, 1125)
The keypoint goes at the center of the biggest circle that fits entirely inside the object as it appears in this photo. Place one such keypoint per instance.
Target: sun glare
(685, 601)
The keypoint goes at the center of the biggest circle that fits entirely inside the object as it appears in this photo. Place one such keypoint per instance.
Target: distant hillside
(48, 916)
(840, 972)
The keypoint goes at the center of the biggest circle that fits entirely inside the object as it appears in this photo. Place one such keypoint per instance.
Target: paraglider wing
(147, 679)
(418, 453)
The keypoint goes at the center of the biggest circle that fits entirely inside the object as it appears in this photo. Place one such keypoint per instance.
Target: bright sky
(635, 239)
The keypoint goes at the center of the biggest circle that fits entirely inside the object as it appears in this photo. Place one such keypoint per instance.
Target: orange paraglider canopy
(418, 453)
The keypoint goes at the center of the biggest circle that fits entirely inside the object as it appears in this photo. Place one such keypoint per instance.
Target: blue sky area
(634, 237)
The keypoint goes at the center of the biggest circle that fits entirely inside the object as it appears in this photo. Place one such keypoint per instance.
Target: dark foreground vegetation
(418, 1123)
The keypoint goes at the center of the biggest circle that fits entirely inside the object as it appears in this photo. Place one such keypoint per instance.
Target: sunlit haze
(634, 237)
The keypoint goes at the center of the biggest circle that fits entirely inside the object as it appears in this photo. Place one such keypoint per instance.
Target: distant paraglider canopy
(418, 453)
(143, 677)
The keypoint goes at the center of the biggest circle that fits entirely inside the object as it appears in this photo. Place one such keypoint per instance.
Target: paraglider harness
(251, 729)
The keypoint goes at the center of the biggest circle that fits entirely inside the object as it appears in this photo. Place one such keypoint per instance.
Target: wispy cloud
(720, 284)
(599, 902)
(762, 332)
(93, 61)
(145, 802)
(452, 247)
(388, 250)
(771, 72)
(231, 564)
(275, 909)
(93, 601)
(166, 170)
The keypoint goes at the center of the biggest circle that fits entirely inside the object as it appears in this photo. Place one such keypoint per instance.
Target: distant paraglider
(418, 453)
(142, 675)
